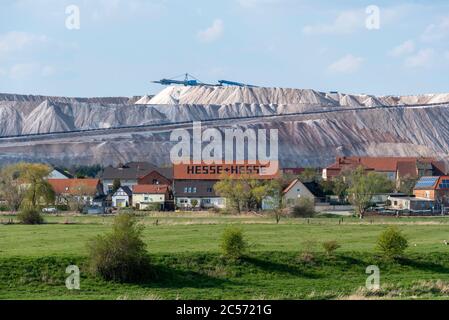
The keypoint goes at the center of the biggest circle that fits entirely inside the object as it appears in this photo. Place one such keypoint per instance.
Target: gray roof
(126, 190)
(204, 188)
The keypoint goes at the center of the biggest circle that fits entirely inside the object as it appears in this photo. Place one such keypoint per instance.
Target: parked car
(49, 210)
(93, 210)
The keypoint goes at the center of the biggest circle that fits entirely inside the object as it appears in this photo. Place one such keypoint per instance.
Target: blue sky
(122, 45)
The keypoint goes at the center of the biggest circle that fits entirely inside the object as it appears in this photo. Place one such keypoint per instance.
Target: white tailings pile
(207, 95)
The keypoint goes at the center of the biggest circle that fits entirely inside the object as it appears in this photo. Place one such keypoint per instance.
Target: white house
(122, 198)
(297, 190)
(200, 192)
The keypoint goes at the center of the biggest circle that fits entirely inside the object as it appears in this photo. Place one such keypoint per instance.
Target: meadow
(188, 264)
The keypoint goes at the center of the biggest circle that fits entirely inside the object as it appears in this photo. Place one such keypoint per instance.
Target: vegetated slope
(351, 125)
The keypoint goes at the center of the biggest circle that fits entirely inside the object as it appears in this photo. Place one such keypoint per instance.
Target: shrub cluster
(30, 216)
(121, 255)
(330, 247)
(391, 243)
(305, 208)
(233, 243)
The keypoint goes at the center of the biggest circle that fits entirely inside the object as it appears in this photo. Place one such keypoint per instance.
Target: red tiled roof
(150, 189)
(74, 186)
(291, 185)
(407, 168)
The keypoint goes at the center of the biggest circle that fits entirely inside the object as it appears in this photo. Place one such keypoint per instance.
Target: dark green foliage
(87, 171)
(30, 216)
(391, 243)
(116, 184)
(233, 243)
(121, 255)
(304, 208)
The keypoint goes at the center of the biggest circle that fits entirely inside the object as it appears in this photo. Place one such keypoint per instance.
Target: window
(145, 198)
(186, 190)
(395, 203)
(209, 190)
(206, 201)
(194, 190)
(189, 190)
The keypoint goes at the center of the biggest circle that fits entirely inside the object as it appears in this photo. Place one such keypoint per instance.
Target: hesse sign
(203, 171)
(207, 155)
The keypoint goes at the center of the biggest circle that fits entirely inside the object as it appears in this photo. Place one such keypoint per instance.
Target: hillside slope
(339, 124)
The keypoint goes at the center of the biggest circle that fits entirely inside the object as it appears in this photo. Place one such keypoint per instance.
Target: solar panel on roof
(426, 182)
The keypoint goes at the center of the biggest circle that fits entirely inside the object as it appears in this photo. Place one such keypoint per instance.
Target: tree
(11, 187)
(34, 179)
(363, 186)
(407, 184)
(275, 199)
(232, 190)
(116, 184)
(194, 203)
(245, 192)
(87, 171)
(340, 187)
(76, 200)
(308, 175)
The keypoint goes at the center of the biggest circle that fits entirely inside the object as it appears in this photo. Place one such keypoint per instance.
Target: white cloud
(345, 23)
(13, 42)
(408, 47)
(423, 58)
(436, 31)
(213, 32)
(347, 64)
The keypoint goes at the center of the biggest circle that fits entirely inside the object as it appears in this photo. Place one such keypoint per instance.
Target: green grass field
(188, 265)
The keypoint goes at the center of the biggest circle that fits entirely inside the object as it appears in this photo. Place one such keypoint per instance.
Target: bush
(233, 243)
(194, 203)
(121, 255)
(306, 255)
(330, 247)
(62, 207)
(391, 243)
(30, 216)
(305, 208)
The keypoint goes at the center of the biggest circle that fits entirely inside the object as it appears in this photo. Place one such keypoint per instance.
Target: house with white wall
(122, 198)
